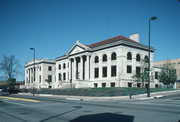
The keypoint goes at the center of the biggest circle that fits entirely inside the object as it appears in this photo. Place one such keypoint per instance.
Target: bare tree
(142, 75)
(119, 76)
(10, 66)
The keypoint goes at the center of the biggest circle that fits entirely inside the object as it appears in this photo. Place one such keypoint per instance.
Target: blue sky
(53, 26)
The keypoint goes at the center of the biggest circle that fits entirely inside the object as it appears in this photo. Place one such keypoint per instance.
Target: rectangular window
(103, 85)
(49, 68)
(60, 78)
(113, 71)
(129, 69)
(112, 84)
(40, 78)
(96, 72)
(138, 70)
(104, 71)
(95, 85)
(129, 84)
(156, 75)
(138, 85)
(64, 76)
(49, 78)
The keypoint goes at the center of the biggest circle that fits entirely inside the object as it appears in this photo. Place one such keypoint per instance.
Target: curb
(87, 98)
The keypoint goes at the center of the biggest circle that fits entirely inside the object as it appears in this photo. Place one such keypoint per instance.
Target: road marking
(15, 98)
(73, 99)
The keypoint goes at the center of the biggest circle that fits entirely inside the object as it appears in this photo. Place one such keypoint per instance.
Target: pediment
(76, 49)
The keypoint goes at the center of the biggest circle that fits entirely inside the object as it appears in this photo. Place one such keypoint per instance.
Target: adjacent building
(40, 74)
(108, 63)
(175, 64)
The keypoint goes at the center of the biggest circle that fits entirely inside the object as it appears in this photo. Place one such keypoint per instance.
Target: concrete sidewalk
(87, 98)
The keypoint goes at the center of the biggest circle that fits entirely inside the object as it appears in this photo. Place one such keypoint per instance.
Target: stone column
(81, 68)
(75, 69)
(88, 77)
(70, 68)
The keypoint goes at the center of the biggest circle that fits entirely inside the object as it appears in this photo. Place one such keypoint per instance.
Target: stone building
(41, 74)
(108, 63)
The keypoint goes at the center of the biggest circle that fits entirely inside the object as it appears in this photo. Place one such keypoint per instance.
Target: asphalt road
(18, 108)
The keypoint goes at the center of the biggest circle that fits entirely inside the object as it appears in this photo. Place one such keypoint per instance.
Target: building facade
(175, 64)
(40, 74)
(108, 63)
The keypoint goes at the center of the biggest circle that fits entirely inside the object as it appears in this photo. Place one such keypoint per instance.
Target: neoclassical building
(40, 74)
(108, 63)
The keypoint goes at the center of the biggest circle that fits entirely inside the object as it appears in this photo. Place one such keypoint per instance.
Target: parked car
(3, 92)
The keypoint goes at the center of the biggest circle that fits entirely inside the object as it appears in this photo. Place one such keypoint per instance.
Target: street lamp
(149, 50)
(34, 67)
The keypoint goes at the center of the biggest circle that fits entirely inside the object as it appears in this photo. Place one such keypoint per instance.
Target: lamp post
(33, 67)
(149, 51)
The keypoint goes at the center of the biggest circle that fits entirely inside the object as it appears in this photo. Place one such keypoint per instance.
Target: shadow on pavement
(104, 117)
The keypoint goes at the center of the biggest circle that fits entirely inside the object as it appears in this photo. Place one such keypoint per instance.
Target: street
(19, 108)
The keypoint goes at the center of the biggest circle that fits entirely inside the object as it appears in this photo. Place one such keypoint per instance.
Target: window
(60, 77)
(96, 59)
(129, 84)
(113, 71)
(138, 85)
(103, 85)
(138, 70)
(64, 76)
(104, 57)
(40, 78)
(146, 85)
(49, 78)
(129, 56)
(104, 71)
(156, 75)
(138, 58)
(96, 72)
(113, 84)
(49, 68)
(156, 86)
(40, 68)
(95, 85)
(146, 59)
(64, 66)
(113, 56)
(59, 66)
(129, 69)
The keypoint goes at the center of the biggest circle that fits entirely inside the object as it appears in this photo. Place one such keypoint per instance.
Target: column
(81, 68)
(75, 69)
(88, 77)
(70, 68)
(29, 79)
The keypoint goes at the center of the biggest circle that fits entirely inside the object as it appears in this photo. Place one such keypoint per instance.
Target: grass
(98, 92)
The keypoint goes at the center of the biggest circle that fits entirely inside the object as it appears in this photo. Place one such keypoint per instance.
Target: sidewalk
(87, 98)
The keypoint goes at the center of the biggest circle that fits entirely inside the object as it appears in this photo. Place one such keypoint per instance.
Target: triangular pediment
(77, 48)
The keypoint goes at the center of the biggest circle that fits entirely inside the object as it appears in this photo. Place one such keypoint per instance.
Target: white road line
(73, 99)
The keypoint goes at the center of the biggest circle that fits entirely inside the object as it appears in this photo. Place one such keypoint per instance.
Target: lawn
(99, 91)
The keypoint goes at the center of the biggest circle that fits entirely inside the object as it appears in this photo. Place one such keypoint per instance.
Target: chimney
(135, 37)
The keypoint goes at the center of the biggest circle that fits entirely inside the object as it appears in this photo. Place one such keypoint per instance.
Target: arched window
(113, 56)
(138, 58)
(104, 57)
(59, 66)
(129, 56)
(146, 59)
(64, 66)
(96, 59)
